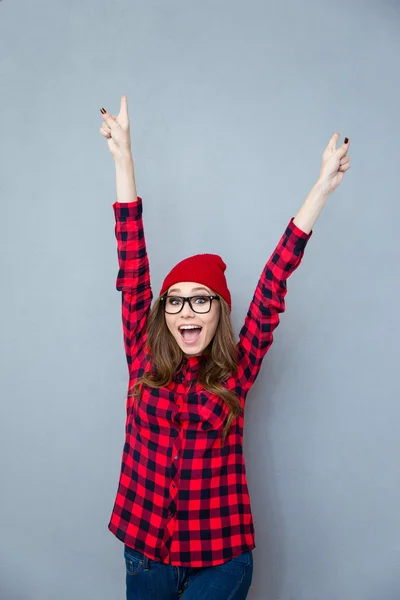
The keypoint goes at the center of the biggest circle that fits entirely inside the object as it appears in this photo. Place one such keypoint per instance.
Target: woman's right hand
(117, 131)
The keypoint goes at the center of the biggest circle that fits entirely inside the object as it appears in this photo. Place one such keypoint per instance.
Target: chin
(194, 353)
(191, 351)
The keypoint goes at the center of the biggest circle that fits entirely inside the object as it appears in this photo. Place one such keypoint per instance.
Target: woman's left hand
(335, 163)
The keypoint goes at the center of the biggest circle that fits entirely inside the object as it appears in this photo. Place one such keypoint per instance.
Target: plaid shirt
(182, 499)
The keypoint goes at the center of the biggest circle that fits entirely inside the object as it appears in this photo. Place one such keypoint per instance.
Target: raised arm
(133, 278)
(256, 335)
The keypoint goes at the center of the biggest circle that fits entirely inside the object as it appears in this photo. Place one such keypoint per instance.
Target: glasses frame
(188, 299)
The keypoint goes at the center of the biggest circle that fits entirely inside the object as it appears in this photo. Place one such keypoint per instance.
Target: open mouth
(190, 334)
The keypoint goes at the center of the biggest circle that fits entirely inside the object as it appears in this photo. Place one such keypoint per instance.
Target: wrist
(124, 160)
(322, 187)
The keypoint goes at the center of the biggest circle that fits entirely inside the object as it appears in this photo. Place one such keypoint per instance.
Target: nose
(186, 310)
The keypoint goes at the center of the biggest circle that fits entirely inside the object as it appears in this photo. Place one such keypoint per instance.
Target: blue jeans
(153, 580)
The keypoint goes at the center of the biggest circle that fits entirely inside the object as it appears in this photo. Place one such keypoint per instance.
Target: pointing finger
(123, 111)
(332, 142)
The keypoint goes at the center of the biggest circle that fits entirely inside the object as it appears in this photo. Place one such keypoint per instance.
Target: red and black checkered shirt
(182, 499)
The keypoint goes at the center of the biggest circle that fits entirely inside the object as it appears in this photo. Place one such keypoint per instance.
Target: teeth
(190, 327)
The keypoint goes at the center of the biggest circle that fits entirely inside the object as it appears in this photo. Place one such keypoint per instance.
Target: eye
(200, 299)
(174, 301)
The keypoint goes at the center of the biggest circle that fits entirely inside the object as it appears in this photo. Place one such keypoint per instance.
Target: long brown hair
(220, 360)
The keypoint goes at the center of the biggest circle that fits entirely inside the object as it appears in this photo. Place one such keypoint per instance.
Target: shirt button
(175, 457)
(173, 485)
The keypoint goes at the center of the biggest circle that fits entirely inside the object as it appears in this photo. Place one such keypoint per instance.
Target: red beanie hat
(207, 269)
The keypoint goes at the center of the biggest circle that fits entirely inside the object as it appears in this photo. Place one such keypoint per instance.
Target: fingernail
(346, 140)
(103, 110)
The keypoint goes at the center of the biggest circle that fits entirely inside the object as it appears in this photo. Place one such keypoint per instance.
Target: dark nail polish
(346, 140)
(103, 110)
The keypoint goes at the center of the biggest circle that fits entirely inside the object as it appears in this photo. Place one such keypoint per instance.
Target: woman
(183, 508)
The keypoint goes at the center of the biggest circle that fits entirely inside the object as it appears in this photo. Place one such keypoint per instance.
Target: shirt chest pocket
(212, 409)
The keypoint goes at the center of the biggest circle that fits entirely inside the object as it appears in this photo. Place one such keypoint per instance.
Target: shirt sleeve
(256, 335)
(133, 278)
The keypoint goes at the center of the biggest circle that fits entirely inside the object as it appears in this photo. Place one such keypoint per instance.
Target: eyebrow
(193, 289)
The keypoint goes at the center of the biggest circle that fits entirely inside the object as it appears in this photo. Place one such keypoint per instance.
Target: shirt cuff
(127, 210)
(295, 238)
(297, 231)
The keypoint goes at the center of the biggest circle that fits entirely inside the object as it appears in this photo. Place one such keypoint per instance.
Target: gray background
(231, 105)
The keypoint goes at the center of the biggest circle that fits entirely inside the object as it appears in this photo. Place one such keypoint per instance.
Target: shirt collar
(191, 364)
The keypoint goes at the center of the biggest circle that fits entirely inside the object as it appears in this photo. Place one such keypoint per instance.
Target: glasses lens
(200, 304)
(173, 304)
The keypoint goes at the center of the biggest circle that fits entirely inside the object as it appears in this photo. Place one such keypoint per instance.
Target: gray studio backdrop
(231, 105)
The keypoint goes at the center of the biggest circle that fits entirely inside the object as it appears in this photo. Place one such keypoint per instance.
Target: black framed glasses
(199, 304)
